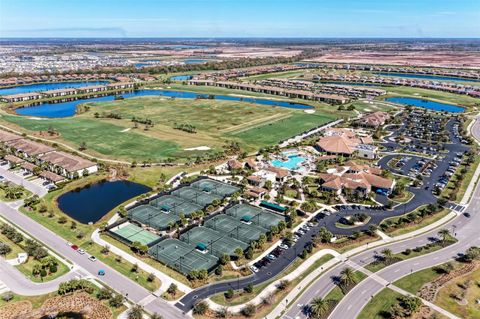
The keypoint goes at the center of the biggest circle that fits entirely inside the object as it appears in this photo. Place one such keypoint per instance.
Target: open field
(214, 121)
(469, 307)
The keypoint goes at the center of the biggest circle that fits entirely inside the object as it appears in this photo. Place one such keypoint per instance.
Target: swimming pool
(291, 163)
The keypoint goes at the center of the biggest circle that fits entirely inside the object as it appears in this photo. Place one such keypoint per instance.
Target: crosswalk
(3, 288)
(456, 207)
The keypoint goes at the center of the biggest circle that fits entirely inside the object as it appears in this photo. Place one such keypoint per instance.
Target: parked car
(81, 251)
(253, 268)
(92, 258)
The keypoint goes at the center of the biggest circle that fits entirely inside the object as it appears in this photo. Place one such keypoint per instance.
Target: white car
(92, 258)
(283, 246)
(69, 244)
(81, 251)
(253, 268)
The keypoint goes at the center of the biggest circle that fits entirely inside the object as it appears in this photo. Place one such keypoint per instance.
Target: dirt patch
(76, 305)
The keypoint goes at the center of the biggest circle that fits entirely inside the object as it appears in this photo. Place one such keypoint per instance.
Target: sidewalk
(166, 280)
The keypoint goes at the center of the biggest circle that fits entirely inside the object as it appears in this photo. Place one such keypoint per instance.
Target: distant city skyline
(246, 18)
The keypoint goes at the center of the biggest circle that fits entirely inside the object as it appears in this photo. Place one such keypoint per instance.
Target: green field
(215, 122)
(275, 132)
(381, 302)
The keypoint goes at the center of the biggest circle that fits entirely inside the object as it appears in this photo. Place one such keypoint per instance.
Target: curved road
(465, 229)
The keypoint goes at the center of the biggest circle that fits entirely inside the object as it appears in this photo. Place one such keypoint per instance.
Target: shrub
(248, 310)
(7, 296)
(229, 293)
(248, 288)
(200, 308)
(151, 277)
(116, 301)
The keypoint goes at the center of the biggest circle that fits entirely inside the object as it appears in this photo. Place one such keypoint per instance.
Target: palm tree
(387, 255)
(318, 307)
(136, 312)
(347, 277)
(445, 234)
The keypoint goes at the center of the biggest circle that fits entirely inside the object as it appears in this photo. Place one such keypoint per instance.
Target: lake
(427, 77)
(48, 86)
(67, 109)
(91, 203)
(436, 106)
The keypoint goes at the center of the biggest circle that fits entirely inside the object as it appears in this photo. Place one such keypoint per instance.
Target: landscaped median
(263, 298)
(387, 258)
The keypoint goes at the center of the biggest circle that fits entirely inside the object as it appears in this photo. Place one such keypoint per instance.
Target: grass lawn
(102, 138)
(412, 227)
(412, 283)
(25, 193)
(472, 293)
(27, 268)
(277, 131)
(383, 301)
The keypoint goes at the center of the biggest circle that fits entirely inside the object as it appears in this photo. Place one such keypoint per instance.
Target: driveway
(19, 180)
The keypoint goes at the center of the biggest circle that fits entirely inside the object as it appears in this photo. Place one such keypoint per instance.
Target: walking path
(166, 281)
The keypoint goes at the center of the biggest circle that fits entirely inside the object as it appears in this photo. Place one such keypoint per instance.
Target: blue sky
(239, 18)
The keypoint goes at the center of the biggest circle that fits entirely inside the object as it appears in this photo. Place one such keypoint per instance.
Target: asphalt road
(112, 278)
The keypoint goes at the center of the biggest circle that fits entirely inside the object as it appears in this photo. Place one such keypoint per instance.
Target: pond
(37, 87)
(195, 61)
(181, 77)
(431, 105)
(91, 203)
(427, 77)
(66, 109)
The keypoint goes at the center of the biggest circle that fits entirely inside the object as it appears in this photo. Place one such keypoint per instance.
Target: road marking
(415, 264)
(435, 258)
(363, 292)
(181, 303)
(397, 270)
(349, 307)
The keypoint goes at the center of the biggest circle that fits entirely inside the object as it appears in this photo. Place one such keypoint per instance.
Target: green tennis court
(217, 243)
(215, 187)
(196, 196)
(182, 256)
(235, 228)
(175, 204)
(256, 215)
(152, 216)
(132, 233)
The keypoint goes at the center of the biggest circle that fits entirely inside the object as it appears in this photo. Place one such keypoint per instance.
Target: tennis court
(217, 243)
(215, 187)
(196, 196)
(256, 215)
(152, 216)
(132, 233)
(182, 256)
(235, 228)
(175, 204)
